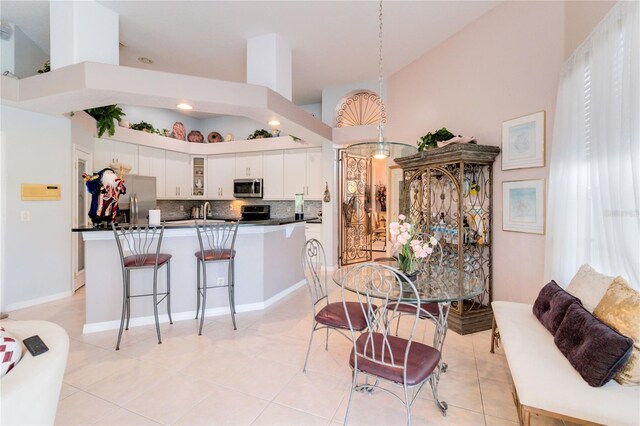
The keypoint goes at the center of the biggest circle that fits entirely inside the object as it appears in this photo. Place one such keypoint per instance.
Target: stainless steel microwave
(247, 188)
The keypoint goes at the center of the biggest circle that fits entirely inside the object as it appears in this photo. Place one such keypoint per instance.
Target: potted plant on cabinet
(105, 117)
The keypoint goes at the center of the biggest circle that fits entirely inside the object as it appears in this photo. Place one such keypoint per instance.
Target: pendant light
(381, 149)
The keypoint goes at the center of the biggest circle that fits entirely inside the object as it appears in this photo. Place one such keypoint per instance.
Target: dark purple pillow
(551, 305)
(593, 348)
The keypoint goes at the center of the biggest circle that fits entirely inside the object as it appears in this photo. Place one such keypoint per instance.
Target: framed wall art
(523, 207)
(523, 142)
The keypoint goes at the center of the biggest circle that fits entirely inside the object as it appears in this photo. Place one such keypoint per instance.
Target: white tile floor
(254, 375)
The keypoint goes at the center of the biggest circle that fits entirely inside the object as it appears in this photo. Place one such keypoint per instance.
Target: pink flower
(433, 241)
(401, 217)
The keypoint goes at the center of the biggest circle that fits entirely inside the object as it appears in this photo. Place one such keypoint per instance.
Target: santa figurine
(105, 188)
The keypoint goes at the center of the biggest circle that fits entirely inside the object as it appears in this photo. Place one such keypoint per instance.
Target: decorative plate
(195, 136)
(214, 137)
(178, 131)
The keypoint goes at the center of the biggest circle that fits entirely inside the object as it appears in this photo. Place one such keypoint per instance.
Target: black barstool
(142, 252)
(217, 242)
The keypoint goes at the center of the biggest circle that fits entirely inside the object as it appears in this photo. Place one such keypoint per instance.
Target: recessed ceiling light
(145, 60)
(184, 106)
(274, 123)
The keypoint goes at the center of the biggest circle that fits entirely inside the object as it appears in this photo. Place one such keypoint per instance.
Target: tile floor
(254, 375)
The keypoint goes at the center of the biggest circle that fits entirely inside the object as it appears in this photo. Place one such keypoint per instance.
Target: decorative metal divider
(448, 193)
(355, 204)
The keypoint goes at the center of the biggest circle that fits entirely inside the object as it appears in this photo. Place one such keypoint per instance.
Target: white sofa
(30, 391)
(546, 383)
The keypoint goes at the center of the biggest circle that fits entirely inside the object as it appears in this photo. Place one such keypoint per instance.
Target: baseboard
(190, 315)
(38, 301)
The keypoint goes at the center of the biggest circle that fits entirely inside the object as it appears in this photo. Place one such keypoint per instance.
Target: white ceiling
(333, 42)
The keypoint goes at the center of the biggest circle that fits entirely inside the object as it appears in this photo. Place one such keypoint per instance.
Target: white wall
(29, 57)
(8, 53)
(160, 118)
(313, 109)
(37, 258)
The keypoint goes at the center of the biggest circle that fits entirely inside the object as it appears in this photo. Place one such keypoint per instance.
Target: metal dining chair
(217, 245)
(331, 316)
(139, 248)
(376, 353)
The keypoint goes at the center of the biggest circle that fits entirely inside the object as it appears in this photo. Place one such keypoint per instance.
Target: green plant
(260, 133)
(46, 67)
(144, 126)
(430, 140)
(104, 118)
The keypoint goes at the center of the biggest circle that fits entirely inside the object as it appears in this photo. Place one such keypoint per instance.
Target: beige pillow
(589, 286)
(620, 310)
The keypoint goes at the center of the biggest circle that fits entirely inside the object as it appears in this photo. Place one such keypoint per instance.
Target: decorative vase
(412, 277)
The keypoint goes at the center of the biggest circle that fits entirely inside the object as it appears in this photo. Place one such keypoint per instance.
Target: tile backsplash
(171, 208)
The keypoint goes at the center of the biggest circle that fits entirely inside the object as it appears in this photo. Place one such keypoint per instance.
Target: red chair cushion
(432, 308)
(140, 260)
(209, 255)
(334, 315)
(423, 359)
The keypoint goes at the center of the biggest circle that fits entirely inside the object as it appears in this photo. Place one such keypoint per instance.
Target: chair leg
(204, 296)
(128, 299)
(232, 305)
(407, 403)
(124, 307)
(169, 291)
(353, 386)
(442, 406)
(155, 302)
(306, 358)
(198, 287)
(326, 344)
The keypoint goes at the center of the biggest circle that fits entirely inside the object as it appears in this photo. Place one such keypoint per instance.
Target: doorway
(80, 208)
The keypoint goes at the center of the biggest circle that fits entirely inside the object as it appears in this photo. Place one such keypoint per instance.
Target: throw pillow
(593, 348)
(620, 310)
(589, 286)
(10, 352)
(551, 306)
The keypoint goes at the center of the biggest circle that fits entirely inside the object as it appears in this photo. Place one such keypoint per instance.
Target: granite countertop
(181, 223)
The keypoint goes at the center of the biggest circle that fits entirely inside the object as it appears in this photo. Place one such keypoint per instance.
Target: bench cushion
(545, 379)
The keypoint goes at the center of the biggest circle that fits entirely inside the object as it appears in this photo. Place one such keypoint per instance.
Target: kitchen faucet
(206, 207)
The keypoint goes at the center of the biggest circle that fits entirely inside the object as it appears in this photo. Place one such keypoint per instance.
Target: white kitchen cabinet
(314, 184)
(198, 176)
(177, 180)
(220, 175)
(303, 174)
(152, 162)
(249, 165)
(295, 171)
(273, 174)
(109, 151)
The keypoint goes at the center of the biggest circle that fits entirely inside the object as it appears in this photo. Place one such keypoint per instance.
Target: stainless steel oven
(247, 188)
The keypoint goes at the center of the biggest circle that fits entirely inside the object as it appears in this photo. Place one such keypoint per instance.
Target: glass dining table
(435, 284)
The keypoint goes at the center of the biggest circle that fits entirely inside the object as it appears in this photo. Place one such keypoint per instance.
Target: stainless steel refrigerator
(139, 199)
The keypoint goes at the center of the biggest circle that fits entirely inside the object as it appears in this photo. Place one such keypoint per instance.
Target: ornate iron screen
(360, 108)
(355, 204)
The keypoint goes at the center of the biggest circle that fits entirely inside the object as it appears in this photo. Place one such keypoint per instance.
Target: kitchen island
(268, 267)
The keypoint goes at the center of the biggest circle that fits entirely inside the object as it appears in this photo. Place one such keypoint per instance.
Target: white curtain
(593, 209)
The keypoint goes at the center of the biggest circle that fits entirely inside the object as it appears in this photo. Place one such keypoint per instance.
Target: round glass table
(434, 284)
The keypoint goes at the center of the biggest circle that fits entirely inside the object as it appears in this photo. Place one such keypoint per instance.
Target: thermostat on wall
(40, 192)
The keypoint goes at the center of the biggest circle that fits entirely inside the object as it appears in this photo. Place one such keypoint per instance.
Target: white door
(127, 155)
(177, 185)
(314, 187)
(273, 173)
(81, 200)
(220, 175)
(102, 154)
(295, 165)
(151, 162)
(248, 165)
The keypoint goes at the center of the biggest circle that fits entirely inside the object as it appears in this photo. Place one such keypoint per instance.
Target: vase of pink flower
(408, 245)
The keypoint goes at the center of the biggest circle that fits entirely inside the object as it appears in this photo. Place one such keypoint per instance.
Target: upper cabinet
(178, 176)
(220, 174)
(152, 162)
(198, 177)
(249, 165)
(109, 151)
(273, 173)
(303, 174)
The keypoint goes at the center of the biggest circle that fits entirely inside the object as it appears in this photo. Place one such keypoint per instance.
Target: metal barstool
(217, 241)
(141, 254)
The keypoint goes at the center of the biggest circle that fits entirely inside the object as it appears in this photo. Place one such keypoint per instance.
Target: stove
(255, 212)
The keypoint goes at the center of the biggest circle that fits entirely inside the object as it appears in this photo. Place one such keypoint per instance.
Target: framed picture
(523, 142)
(523, 206)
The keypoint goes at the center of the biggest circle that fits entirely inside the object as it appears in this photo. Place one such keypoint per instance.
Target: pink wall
(504, 65)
